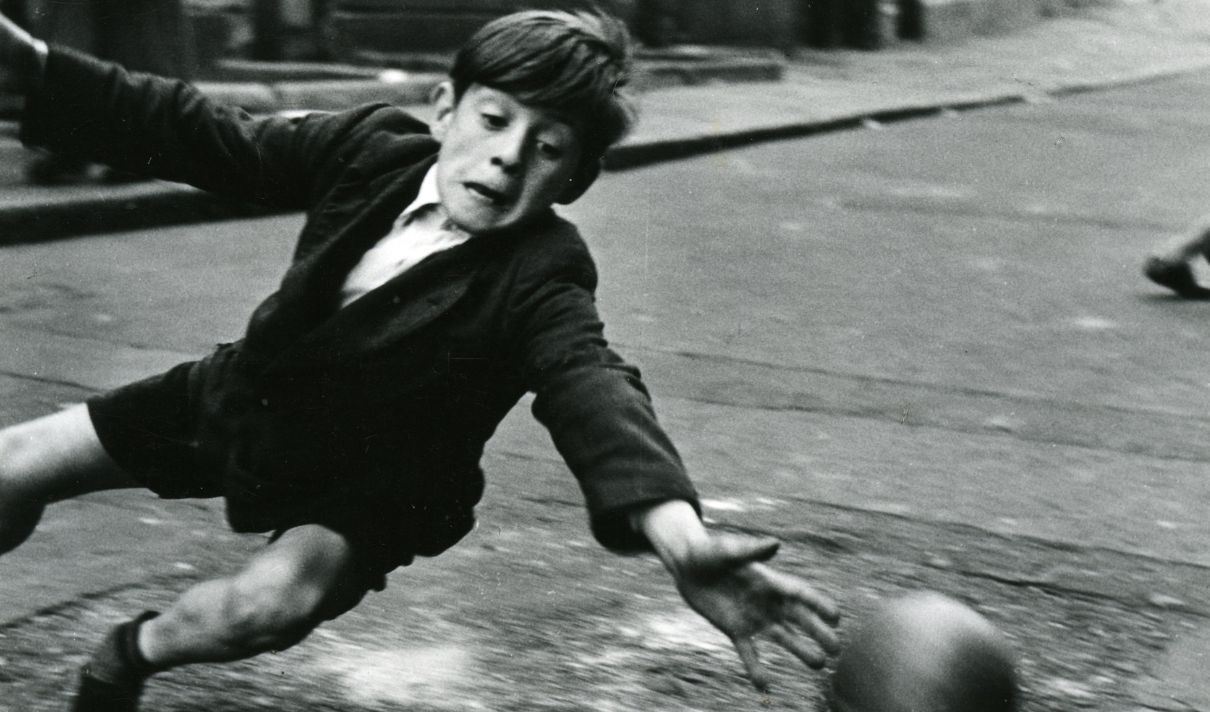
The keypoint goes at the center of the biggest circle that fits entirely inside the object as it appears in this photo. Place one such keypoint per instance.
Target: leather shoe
(1175, 275)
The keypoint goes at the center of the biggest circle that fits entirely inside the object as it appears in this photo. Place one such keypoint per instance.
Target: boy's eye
(550, 150)
(493, 121)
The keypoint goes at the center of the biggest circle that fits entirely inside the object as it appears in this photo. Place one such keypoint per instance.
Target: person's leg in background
(1172, 265)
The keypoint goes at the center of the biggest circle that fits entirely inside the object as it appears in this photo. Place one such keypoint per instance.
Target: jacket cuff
(614, 530)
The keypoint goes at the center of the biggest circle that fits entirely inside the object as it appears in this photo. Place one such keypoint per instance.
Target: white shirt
(422, 229)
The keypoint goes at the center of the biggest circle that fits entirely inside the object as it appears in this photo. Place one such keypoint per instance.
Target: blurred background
(185, 37)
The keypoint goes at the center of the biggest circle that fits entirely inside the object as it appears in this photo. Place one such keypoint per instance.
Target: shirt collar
(427, 195)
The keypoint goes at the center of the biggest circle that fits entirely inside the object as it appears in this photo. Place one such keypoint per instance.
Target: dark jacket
(395, 395)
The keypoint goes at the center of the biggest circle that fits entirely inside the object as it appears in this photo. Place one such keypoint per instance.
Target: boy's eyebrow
(482, 100)
(560, 119)
(573, 123)
(576, 124)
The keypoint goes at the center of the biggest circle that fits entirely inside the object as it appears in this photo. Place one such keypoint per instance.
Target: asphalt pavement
(948, 312)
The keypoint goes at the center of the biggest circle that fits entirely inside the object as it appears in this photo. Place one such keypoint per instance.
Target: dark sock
(118, 660)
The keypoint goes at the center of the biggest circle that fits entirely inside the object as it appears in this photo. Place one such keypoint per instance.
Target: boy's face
(501, 162)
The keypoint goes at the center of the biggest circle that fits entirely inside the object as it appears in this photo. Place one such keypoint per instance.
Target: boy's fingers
(746, 647)
(795, 590)
(812, 625)
(824, 608)
(762, 549)
(810, 655)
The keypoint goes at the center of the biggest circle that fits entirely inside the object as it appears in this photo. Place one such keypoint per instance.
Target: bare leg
(48, 459)
(282, 594)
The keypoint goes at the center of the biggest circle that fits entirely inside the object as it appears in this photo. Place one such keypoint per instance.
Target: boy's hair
(577, 64)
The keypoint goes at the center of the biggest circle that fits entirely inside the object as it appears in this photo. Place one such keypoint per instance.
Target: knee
(20, 510)
(15, 452)
(26, 474)
(274, 612)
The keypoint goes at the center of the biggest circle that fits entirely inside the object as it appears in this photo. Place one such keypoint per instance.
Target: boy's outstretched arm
(638, 493)
(722, 576)
(22, 58)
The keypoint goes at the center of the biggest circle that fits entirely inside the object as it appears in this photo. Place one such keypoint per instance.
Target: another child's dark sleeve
(596, 407)
(167, 129)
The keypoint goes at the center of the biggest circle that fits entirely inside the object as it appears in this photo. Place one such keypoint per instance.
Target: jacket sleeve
(595, 406)
(167, 129)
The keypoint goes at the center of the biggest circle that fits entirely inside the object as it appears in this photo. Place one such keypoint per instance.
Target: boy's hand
(723, 577)
(725, 581)
(22, 58)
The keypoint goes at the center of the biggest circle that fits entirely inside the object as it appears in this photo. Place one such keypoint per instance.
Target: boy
(431, 287)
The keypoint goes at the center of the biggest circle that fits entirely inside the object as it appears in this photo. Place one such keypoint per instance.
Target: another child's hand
(722, 577)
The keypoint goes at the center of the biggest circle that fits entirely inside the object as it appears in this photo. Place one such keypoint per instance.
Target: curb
(121, 209)
(626, 156)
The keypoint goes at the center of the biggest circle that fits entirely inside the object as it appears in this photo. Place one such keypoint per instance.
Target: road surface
(921, 353)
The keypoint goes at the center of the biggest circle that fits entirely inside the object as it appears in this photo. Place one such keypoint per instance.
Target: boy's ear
(580, 182)
(443, 100)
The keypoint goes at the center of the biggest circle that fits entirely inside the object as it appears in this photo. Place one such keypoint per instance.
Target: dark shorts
(150, 428)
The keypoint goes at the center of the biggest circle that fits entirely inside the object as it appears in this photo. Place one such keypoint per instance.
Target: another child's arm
(167, 129)
(722, 577)
(22, 58)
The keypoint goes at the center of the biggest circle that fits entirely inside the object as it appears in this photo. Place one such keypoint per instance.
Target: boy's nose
(509, 153)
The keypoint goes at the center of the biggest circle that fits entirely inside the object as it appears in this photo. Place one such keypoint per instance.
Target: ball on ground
(925, 652)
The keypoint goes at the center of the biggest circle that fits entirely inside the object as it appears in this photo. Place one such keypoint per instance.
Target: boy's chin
(482, 222)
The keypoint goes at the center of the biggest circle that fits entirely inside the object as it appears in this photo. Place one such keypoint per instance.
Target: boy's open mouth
(495, 197)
